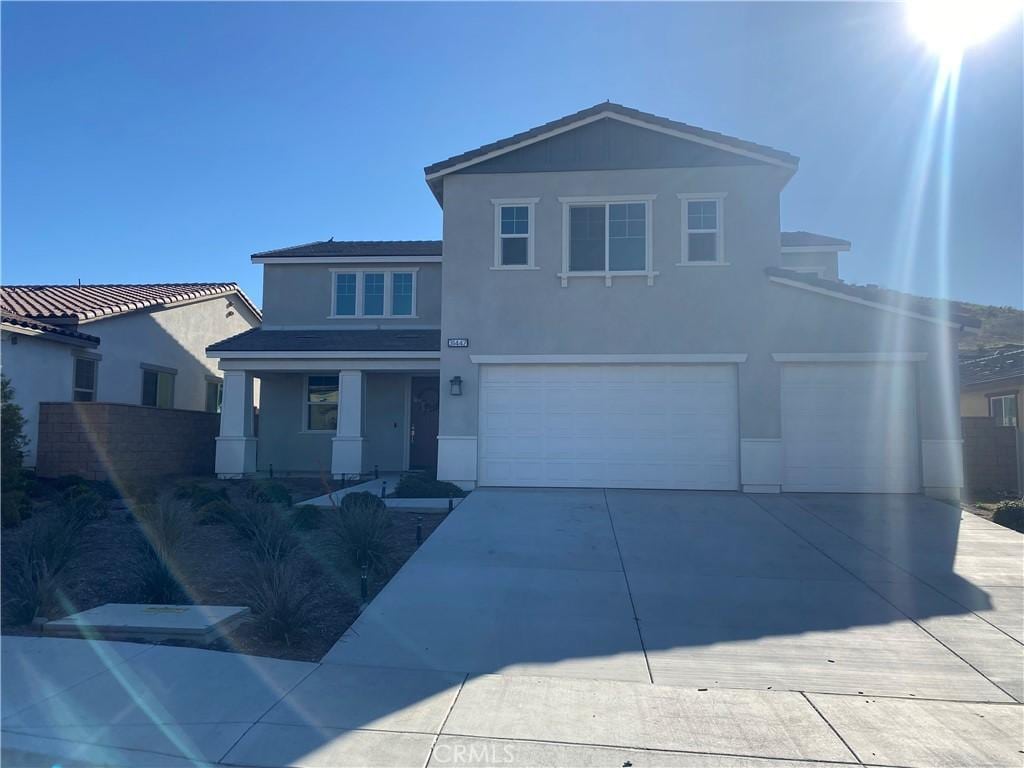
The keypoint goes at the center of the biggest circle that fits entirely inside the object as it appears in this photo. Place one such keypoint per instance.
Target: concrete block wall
(990, 457)
(124, 443)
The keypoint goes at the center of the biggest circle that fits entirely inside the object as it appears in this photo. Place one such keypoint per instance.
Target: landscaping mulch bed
(215, 566)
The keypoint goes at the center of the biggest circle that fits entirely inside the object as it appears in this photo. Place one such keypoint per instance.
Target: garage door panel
(650, 426)
(850, 428)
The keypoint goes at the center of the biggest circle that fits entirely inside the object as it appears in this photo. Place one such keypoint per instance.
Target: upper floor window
(1003, 408)
(702, 229)
(607, 238)
(374, 293)
(513, 233)
(158, 386)
(84, 388)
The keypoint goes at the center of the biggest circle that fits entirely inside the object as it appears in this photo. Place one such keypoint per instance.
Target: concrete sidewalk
(566, 628)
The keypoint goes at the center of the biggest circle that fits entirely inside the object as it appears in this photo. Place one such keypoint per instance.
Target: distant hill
(999, 325)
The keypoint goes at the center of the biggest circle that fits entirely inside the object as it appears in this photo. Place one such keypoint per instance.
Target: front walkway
(541, 627)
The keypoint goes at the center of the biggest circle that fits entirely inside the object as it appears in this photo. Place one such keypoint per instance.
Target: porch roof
(258, 340)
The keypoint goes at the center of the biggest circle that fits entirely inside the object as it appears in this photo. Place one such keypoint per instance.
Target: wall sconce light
(456, 386)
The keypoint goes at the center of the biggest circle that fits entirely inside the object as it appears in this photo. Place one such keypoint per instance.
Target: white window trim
(807, 269)
(608, 274)
(388, 273)
(305, 430)
(95, 360)
(718, 198)
(1004, 396)
(527, 202)
(158, 369)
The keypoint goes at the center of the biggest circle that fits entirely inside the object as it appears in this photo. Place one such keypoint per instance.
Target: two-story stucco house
(613, 305)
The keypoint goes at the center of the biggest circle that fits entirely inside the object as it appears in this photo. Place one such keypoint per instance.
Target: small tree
(12, 436)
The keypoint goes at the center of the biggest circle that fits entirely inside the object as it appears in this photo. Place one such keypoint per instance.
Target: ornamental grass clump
(34, 577)
(167, 528)
(360, 532)
(280, 598)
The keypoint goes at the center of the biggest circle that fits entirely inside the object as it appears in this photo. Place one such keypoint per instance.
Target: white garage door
(613, 426)
(849, 428)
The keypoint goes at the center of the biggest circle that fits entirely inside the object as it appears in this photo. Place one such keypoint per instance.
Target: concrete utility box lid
(116, 621)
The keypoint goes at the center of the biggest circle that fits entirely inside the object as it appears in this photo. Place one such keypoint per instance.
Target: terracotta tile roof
(993, 364)
(356, 248)
(801, 239)
(619, 109)
(378, 340)
(68, 334)
(920, 306)
(75, 303)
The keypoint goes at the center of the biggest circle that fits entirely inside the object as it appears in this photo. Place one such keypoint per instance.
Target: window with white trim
(374, 293)
(321, 404)
(84, 387)
(702, 229)
(214, 394)
(607, 238)
(513, 233)
(1003, 408)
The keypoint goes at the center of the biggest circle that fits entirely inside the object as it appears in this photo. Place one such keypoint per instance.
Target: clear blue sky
(167, 142)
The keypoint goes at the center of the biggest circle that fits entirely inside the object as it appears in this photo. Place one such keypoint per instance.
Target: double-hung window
(607, 237)
(1003, 408)
(321, 403)
(702, 229)
(374, 293)
(84, 388)
(513, 233)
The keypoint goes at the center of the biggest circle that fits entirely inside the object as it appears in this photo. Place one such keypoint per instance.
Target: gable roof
(614, 111)
(28, 326)
(991, 365)
(802, 239)
(881, 298)
(354, 249)
(79, 303)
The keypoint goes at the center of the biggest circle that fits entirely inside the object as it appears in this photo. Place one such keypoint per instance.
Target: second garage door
(613, 426)
(849, 428)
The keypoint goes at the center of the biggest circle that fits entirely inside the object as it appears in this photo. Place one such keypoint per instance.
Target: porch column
(347, 444)
(236, 445)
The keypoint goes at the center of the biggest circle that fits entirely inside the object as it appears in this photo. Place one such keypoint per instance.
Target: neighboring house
(992, 384)
(608, 308)
(135, 344)
(812, 254)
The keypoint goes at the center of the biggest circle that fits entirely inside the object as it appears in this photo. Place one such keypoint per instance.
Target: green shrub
(167, 528)
(32, 586)
(12, 438)
(269, 492)
(81, 504)
(268, 527)
(1010, 514)
(64, 482)
(279, 596)
(14, 507)
(216, 512)
(414, 486)
(307, 517)
(360, 532)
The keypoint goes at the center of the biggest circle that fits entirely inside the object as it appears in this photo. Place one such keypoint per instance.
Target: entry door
(611, 426)
(850, 428)
(424, 400)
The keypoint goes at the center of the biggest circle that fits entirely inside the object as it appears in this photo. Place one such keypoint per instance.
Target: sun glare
(949, 27)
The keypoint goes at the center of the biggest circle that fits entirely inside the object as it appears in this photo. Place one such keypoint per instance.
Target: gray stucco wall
(706, 309)
(284, 444)
(301, 294)
(176, 337)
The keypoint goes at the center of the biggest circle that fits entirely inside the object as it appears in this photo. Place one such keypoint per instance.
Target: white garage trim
(605, 359)
(849, 357)
(610, 425)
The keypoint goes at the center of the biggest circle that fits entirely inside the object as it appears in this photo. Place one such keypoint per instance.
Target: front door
(426, 395)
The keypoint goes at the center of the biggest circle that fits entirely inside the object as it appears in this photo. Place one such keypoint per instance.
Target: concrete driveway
(549, 627)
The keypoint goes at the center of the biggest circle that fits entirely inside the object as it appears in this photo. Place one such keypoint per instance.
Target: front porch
(331, 403)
